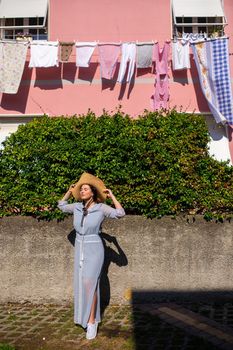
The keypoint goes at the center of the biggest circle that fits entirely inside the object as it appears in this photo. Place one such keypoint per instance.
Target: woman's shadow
(116, 256)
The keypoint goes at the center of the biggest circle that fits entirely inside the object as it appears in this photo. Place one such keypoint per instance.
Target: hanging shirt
(161, 93)
(161, 57)
(108, 56)
(12, 61)
(144, 55)
(44, 54)
(180, 55)
(84, 52)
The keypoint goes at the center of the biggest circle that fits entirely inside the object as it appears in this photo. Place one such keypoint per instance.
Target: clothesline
(132, 56)
(45, 53)
(197, 37)
(173, 40)
(210, 39)
(29, 42)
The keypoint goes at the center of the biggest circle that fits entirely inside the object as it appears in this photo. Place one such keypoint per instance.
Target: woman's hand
(71, 188)
(68, 193)
(113, 198)
(109, 193)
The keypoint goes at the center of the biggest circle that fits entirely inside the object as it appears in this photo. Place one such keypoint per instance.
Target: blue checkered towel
(212, 61)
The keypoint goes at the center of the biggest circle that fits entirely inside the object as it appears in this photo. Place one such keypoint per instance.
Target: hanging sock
(180, 55)
(44, 54)
(84, 52)
(144, 54)
(12, 61)
(161, 94)
(108, 56)
(128, 56)
(161, 57)
(65, 50)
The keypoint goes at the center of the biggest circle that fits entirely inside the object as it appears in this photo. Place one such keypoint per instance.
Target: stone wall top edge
(184, 218)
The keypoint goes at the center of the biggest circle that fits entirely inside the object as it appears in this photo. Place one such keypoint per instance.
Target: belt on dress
(88, 238)
(83, 239)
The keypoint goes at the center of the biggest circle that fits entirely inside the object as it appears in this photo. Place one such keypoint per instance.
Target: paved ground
(163, 326)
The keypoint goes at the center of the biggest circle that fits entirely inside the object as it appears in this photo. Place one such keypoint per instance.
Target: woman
(89, 213)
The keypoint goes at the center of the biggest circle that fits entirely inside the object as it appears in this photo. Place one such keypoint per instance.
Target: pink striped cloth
(108, 56)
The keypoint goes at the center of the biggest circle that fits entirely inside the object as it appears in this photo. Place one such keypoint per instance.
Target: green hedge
(156, 165)
(6, 347)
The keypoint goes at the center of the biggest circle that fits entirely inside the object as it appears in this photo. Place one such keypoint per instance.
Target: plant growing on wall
(156, 164)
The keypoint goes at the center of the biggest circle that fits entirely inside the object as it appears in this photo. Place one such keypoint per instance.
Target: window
(20, 18)
(19, 27)
(38, 34)
(208, 25)
(198, 16)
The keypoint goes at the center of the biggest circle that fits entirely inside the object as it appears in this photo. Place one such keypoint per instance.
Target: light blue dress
(89, 255)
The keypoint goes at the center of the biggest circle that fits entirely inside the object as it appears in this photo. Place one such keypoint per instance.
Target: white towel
(44, 54)
(84, 51)
(180, 55)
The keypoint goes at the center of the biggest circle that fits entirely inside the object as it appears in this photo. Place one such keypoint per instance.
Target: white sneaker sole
(94, 335)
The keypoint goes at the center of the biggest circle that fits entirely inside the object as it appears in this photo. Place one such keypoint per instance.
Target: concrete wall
(167, 255)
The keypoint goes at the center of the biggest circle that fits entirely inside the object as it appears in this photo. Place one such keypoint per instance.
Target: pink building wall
(66, 90)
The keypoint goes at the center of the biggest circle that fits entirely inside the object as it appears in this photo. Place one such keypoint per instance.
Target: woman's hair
(95, 193)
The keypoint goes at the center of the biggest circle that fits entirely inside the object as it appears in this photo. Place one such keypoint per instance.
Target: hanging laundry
(144, 54)
(212, 61)
(84, 51)
(180, 55)
(12, 61)
(194, 37)
(161, 94)
(65, 50)
(161, 57)
(128, 57)
(108, 56)
(44, 54)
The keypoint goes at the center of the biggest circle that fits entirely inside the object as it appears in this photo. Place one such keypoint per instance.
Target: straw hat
(88, 179)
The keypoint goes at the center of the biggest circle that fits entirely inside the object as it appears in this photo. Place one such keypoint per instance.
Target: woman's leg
(93, 309)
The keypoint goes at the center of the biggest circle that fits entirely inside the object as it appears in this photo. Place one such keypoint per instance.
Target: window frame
(24, 29)
(195, 24)
(209, 27)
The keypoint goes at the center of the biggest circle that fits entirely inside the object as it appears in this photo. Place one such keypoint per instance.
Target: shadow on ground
(154, 321)
(182, 320)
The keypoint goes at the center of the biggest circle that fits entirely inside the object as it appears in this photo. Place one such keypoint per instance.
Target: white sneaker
(91, 330)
